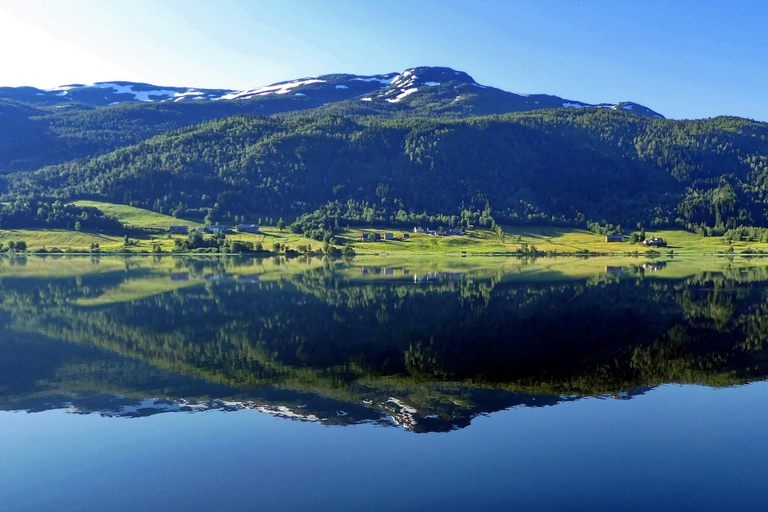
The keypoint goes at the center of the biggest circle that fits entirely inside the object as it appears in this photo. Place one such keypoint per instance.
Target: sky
(683, 59)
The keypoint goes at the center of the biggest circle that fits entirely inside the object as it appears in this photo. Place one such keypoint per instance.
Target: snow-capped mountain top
(412, 80)
(350, 84)
(444, 90)
(103, 94)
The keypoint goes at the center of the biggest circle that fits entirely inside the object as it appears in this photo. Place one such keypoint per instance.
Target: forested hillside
(45, 127)
(562, 166)
(35, 136)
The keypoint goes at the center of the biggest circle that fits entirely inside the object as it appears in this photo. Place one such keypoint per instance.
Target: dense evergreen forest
(576, 167)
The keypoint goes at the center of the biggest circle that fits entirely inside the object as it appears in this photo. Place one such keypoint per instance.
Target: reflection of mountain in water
(324, 346)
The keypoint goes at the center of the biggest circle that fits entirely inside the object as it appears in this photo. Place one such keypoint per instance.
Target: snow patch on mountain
(403, 94)
(138, 95)
(283, 88)
(66, 87)
(384, 81)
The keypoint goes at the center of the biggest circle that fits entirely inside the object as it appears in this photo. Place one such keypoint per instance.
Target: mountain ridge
(390, 87)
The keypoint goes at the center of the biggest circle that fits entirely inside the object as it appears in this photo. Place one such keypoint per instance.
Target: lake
(242, 384)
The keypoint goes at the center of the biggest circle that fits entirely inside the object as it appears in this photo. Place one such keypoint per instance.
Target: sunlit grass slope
(138, 217)
(553, 240)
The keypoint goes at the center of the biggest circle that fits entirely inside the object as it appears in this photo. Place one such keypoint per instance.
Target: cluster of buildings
(213, 230)
(650, 242)
(654, 242)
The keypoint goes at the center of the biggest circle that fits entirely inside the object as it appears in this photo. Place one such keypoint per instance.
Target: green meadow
(549, 240)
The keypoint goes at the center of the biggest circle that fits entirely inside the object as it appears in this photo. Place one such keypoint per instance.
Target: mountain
(103, 94)
(385, 148)
(444, 92)
(43, 127)
(563, 166)
(445, 89)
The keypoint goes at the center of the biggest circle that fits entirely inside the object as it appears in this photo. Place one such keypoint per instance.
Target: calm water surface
(243, 384)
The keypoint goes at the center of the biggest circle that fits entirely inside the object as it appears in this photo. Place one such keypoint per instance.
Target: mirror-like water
(548, 384)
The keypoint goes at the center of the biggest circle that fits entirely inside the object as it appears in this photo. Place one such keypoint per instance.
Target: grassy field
(545, 239)
(551, 240)
(138, 217)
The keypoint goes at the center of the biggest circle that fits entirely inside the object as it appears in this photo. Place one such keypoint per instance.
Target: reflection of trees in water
(321, 332)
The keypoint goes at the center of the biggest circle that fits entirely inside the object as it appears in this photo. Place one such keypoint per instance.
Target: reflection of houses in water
(387, 271)
(653, 266)
(614, 270)
(217, 278)
(435, 276)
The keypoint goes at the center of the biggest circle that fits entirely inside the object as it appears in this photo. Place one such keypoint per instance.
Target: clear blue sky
(684, 59)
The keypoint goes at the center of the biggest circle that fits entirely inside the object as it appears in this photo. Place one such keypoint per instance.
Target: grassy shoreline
(516, 240)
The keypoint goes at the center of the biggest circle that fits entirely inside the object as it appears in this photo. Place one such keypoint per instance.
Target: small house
(248, 228)
(418, 230)
(377, 237)
(614, 238)
(406, 235)
(389, 236)
(179, 230)
(364, 237)
(654, 242)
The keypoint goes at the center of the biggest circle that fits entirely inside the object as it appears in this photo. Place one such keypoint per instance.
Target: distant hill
(43, 127)
(417, 87)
